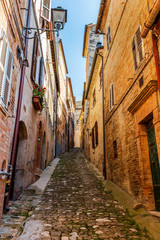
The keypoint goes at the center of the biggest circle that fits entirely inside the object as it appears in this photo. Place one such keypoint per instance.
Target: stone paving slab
(75, 206)
(13, 222)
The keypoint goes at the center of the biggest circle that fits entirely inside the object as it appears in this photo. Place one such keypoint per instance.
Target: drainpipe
(151, 19)
(148, 25)
(15, 136)
(103, 120)
(156, 58)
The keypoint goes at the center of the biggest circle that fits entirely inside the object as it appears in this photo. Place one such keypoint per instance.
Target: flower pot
(36, 103)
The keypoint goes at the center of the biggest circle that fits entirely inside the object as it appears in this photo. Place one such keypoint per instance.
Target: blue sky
(80, 13)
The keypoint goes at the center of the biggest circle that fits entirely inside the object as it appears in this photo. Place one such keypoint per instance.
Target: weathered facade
(77, 124)
(131, 99)
(93, 94)
(35, 145)
(62, 113)
(31, 71)
(11, 23)
(70, 101)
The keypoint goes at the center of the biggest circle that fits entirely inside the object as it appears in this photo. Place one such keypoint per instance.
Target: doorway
(17, 183)
(154, 162)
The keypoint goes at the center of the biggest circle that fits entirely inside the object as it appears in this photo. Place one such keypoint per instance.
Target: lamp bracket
(27, 31)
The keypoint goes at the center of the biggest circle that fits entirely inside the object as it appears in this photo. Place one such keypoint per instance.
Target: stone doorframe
(146, 107)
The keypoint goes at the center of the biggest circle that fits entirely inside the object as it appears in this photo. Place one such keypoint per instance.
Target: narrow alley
(75, 205)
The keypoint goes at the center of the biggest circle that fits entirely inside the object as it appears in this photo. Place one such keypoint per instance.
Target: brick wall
(125, 165)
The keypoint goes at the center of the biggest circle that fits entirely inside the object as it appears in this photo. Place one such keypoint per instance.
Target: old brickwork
(131, 98)
(9, 30)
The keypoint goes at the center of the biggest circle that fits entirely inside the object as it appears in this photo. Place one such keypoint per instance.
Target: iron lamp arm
(27, 31)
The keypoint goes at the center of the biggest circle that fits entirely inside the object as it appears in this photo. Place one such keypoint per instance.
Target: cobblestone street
(76, 206)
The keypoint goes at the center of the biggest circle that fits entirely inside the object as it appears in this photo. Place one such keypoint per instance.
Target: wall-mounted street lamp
(58, 18)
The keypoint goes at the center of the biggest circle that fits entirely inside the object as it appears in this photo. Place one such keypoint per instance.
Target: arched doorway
(18, 170)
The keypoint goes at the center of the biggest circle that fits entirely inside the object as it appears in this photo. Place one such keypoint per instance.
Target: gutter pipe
(151, 19)
(15, 136)
(156, 58)
(147, 26)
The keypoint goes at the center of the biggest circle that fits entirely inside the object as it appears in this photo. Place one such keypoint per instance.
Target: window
(141, 82)
(41, 73)
(95, 135)
(115, 149)
(111, 97)
(100, 77)
(46, 10)
(94, 98)
(137, 49)
(108, 37)
(6, 66)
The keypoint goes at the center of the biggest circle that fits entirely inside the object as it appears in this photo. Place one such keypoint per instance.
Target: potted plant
(38, 97)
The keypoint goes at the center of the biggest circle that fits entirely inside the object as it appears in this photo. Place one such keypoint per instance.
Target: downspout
(156, 58)
(148, 25)
(151, 19)
(15, 136)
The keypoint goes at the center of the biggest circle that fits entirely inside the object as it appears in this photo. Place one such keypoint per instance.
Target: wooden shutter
(8, 77)
(93, 146)
(134, 53)
(34, 58)
(100, 77)
(139, 44)
(110, 106)
(46, 10)
(41, 73)
(112, 95)
(96, 132)
(6, 65)
(3, 53)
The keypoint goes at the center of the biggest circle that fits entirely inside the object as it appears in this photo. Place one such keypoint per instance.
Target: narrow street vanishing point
(75, 205)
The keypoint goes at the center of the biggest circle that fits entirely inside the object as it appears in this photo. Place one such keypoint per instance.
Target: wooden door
(153, 154)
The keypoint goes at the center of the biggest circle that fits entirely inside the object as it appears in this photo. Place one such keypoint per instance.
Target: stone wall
(124, 145)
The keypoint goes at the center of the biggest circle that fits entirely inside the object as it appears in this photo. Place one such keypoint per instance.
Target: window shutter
(34, 58)
(96, 132)
(139, 44)
(6, 63)
(110, 98)
(8, 77)
(46, 10)
(134, 53)
(93, 138)
(100, 77)
(41, 73)
(3, 53)
(112, 95)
